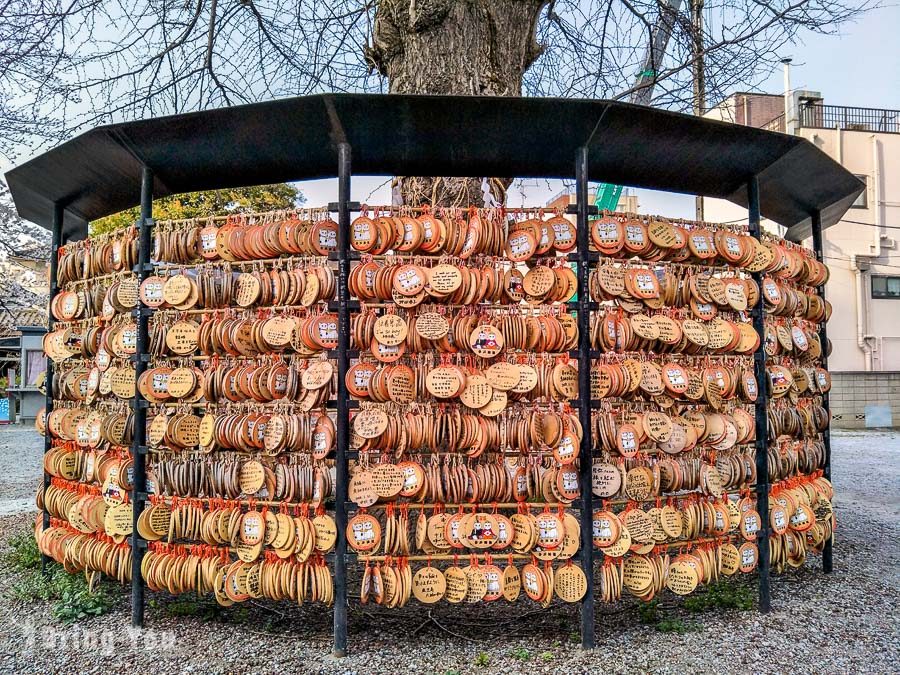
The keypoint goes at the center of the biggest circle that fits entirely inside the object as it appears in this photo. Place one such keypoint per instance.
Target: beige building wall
(868, 328)
(752, 110)
(865, 331)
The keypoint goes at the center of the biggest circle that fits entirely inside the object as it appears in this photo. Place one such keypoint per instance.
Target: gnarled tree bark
(461, 47)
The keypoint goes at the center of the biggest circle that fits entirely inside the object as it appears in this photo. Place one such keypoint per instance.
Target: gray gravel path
(848, 622)
(20, 468)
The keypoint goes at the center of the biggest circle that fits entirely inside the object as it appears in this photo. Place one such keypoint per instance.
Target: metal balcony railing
(851, 119)
(776, 124)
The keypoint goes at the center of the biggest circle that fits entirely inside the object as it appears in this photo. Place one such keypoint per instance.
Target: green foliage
(71, 595)
(33, 586)
(238, 615)
(482, 659)
(23, 553)
(211, 203)
(648, 612)
(651, 614)
(521, 654)
(675, 625)
(546, 656)
(204, 608)
(190, 607)
(720, 595)
(76, 600)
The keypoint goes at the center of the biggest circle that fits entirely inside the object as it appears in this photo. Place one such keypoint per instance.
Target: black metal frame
(55, 243)
(584, 394)
(344, 206)
(343, 409)
(762, 406)
(818, 247)
(139, 440)
(406, 134)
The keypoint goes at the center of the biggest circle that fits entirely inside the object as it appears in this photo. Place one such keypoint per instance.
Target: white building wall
(875, 250)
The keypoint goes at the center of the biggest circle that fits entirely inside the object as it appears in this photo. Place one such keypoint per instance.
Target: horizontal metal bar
(354, 207)
(483, 505)
(335, 305)
(592, 210)
(335, 353)
(356, 256)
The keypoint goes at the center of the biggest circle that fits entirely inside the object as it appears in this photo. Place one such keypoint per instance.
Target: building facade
(628, 202)
(861, 250)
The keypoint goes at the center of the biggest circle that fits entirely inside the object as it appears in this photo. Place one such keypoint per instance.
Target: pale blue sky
(859, 66)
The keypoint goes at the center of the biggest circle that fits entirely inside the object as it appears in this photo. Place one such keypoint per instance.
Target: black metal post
(343, 410)
(762, 405)
(139, 440)
(584, 395)
(827, 560)
(55, 242)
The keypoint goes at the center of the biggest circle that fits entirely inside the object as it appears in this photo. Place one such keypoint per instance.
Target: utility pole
(699, 73)
(790, 114)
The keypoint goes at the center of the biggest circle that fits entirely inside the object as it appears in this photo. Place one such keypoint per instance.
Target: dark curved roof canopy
(99, 172)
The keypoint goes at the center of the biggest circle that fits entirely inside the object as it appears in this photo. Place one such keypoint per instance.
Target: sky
(859, 66)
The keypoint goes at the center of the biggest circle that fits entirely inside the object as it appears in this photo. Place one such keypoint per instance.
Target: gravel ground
(847, 622)
(20, 466)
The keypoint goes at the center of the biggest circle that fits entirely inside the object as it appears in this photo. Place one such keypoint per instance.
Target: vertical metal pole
(343, 410)
(55, 241)
(139, 441)
(762, 404)
(699, 75)
(827, 561)
(584, 396)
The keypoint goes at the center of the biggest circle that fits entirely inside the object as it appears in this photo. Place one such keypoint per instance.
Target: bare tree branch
(69, 64)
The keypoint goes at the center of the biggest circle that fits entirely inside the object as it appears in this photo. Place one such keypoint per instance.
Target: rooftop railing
(818, 116)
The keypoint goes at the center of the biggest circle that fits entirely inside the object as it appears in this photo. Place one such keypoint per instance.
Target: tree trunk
(462, 47)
